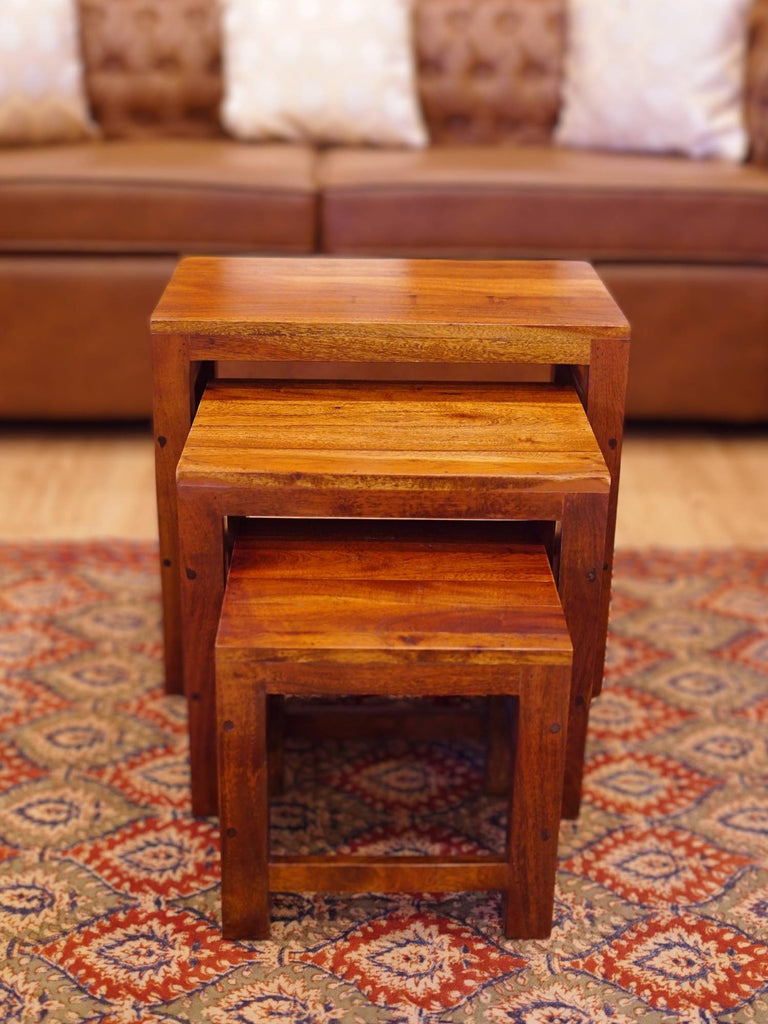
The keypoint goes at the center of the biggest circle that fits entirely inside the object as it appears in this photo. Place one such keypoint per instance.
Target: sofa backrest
(488, 70)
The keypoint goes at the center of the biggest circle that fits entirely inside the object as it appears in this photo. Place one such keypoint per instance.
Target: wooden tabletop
(350, 309)
(414, 590)
(351, 434)
(381, 450)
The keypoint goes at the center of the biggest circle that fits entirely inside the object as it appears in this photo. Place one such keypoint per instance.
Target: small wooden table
(405, 609)
(338, 312)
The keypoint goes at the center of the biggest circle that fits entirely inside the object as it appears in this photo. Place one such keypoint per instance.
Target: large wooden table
(339, 313)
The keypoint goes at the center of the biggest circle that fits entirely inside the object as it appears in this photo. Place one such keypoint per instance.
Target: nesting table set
(353, 535)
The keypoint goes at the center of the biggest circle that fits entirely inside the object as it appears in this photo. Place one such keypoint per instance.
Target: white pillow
(656, 75)
(321, 70)
(42, 98)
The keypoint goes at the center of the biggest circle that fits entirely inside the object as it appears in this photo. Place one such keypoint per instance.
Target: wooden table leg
(173, 407)
(605, 403)
(276, 741)
(498, 753)
(201, 551)
(534, 807)
(582, 547)
(244, 800)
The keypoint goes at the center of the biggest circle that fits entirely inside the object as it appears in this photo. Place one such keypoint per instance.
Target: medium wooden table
(340, 312)
(380, 450)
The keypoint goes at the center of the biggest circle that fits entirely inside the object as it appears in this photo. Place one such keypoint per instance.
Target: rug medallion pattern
(109, 888)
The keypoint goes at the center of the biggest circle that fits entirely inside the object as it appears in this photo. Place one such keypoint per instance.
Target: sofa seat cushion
(162, 196)
(509, 201)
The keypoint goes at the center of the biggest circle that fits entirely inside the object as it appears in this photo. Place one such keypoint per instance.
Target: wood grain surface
(337, 312)
(538, 739)
(414, 592)
(382, 449)
(244, 805)
(329, 309)
(202, 546)
(453, 599)
(173, 405)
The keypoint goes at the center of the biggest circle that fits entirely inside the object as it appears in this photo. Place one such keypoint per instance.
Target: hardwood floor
(694, 489)
(61, 482)
(681, 488)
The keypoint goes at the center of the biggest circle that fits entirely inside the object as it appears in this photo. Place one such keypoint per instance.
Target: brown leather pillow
(153, 67)
(490, 70)
(757, 82)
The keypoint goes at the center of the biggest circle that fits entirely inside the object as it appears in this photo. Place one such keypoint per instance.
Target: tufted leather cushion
(153, 67)
(490, 70)
(757, 82)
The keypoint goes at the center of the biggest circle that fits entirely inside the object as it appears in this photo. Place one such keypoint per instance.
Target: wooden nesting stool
(362, 450)
(410, 609)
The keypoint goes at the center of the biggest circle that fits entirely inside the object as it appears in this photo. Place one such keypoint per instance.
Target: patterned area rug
(109, 889)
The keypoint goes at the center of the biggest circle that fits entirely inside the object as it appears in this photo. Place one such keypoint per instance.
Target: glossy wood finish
(173, 410)
(499, 750)
(580, 581)
(407, 594)
(387, 874)
(380, 450)
(242, 737)
(536, 736)
(389, 719)
(346, 310)
(202, 559)
(176, 384)
(605, 397)
(342, 311)
(337, 312)
(392, 450)
(454, 612)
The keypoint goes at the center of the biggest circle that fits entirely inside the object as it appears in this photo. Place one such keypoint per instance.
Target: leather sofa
(89, 233)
